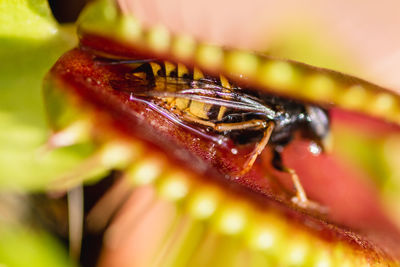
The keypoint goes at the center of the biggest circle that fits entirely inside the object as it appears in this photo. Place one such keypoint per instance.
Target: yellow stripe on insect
(169, 68)
(155, 67)
(224, 82)
(140, 75)
(197, 74)
(199, 109)
(181, 103)
(221, 113)
(182, 70)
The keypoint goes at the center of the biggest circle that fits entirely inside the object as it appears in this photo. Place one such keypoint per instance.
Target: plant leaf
(30, 42)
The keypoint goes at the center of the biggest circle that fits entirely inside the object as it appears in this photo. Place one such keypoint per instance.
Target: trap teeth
(75, 133)
(208, 211)
(280, 76)
(116, 155)
(319, 87)
(232, 220)
(158, 39)
(241, 63)
(383, 103)
(277, 74)
(174, 187)
(354, 97)
(209, 56)
(183, 47)
(203, 203)
(145, 171)
(129, 29)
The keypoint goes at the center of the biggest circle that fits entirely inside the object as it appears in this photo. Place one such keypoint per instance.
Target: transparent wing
(226, 99)
(172, 117)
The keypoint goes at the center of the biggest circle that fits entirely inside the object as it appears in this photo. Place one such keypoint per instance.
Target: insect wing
(212, 97)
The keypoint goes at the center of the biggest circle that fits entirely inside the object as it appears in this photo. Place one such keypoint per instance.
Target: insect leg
(188, 117)
(222, 127)
(259, 147)
(300, 199)
(278, 164)
(251, 124)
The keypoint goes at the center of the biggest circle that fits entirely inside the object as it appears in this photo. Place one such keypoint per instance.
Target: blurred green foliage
(21, 246)
(30, 43)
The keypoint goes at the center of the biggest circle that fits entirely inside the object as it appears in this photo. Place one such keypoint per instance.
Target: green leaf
(30, 43)
(38, 248)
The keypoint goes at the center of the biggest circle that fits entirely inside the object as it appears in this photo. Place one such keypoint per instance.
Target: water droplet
(314, 148)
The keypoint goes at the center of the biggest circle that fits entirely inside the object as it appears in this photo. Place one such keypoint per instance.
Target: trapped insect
(204, 104)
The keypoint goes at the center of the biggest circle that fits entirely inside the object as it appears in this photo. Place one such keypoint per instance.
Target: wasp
(201, 102)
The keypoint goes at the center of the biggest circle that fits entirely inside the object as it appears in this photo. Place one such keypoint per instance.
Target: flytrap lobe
(284, 77)
(217, 138)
